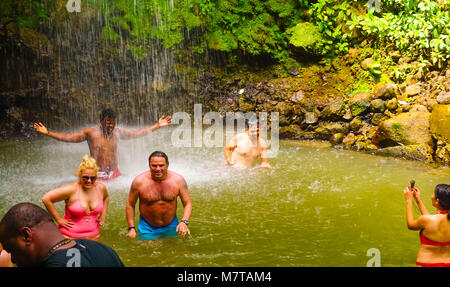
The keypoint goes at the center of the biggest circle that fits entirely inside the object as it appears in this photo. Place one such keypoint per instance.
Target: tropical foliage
(274, 28)
(419, 29)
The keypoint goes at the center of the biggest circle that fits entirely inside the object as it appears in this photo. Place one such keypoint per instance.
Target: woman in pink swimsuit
(86, 203)
(434, 228)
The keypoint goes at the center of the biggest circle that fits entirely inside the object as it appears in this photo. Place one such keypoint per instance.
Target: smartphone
(412, 182)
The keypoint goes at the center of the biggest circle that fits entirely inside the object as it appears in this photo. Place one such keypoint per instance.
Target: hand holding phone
(412, 183)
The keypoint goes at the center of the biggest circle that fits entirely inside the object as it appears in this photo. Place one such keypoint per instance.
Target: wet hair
(159, 154)
(87, 163)
(442, 192)
(107, 113)
(23, 215)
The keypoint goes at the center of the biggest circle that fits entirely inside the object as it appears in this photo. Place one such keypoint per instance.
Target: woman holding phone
(434, 228)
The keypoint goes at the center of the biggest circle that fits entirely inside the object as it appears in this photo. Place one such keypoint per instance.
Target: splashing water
(317, 207)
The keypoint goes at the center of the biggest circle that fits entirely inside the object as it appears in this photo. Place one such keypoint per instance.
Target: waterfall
(81, 62)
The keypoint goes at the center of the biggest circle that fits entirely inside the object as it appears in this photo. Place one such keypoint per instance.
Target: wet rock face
(443, 153)
(421, 152)
(367, 63)
(385, 91)
(378, 105)
(336, 138)
(443, 98)
(440, 122)
(311, 118)
(407, 129)
(360, 103)
(327, 129)
(412, 90)
(334, 111)
(356, 124)
(391, 104)
(297, 97)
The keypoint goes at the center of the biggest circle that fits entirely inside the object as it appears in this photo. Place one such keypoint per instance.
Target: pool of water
(318, 206)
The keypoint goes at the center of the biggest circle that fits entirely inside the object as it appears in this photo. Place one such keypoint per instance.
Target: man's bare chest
(159, 192)
(248, 148)
(101, 142)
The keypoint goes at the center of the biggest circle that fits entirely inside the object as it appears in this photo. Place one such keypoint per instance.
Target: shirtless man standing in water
(102, 140)
(246, 148)
(157, 191)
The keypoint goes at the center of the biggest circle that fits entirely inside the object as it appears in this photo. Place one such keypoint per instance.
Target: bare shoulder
(177, 177)
(91, 130)
(119, 131)
(430, 219)
(101, 186)
(73, 186)
(141, 178)
(66, 190)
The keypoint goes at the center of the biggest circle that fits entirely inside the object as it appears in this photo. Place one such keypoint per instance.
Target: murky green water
(318, 206)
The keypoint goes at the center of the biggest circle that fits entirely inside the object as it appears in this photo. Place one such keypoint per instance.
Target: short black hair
(107, 113)
(23, 215)
(159, 154)
(442, 192)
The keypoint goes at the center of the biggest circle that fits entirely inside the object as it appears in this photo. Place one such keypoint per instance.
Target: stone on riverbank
(326, 130)
(336, 138)
(443, 153)
(440, 122)
(412, 90)
(421, 152)
(443, 98)
(378, 106)
(410, 128)
(360, 103)
(385, 91)
(334, 111)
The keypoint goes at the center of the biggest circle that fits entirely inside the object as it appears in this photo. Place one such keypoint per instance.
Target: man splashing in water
(245, 148)
(102, 140)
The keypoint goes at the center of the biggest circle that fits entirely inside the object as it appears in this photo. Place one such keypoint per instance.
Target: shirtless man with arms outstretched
(102, 140)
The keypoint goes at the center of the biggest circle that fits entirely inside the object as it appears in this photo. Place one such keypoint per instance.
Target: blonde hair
(87, 163)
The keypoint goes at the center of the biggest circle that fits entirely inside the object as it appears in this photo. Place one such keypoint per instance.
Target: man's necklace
(59, 244)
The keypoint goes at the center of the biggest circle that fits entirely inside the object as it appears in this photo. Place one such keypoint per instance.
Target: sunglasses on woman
(86, 178)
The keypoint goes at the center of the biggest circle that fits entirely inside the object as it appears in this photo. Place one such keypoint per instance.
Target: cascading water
(84, 61)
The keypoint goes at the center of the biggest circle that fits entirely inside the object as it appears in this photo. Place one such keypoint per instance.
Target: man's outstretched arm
(131, 134)
(76, 137)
